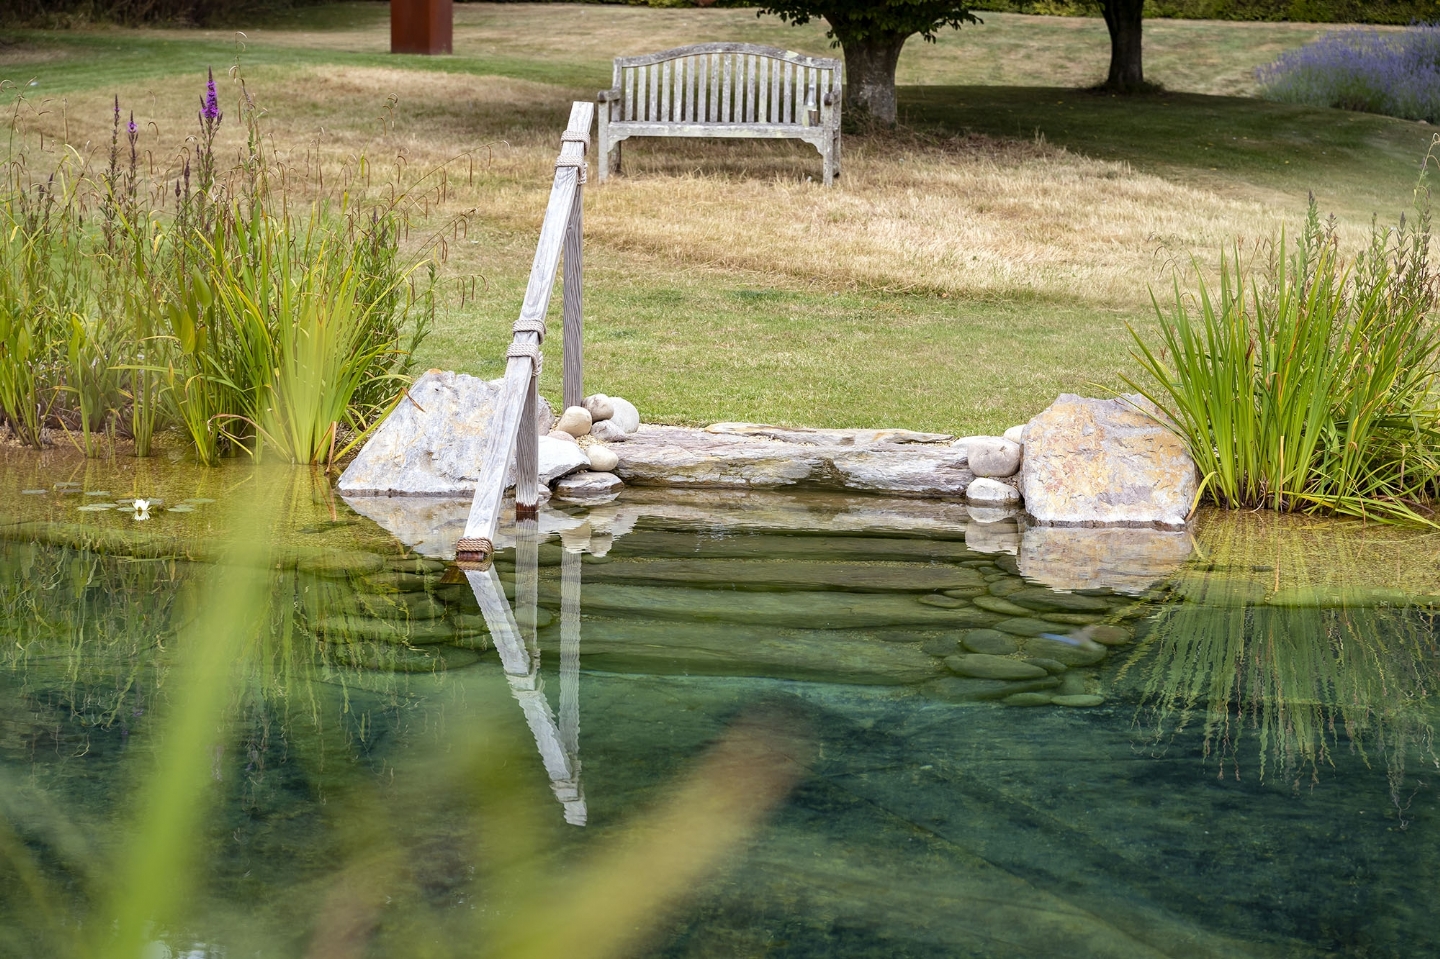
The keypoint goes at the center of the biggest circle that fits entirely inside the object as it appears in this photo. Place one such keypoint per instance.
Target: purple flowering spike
(117, 108)
(131, 128)
(210, 106)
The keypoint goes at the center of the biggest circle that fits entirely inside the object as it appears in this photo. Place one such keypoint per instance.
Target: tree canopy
(871, 34)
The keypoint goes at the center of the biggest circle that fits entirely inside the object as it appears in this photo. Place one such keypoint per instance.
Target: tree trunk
(870, 73)
(1123, 19)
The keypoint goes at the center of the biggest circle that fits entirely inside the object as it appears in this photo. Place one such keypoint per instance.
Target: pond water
(709, 725)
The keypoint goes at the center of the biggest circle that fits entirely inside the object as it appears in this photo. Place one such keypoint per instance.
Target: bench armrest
(608, 96)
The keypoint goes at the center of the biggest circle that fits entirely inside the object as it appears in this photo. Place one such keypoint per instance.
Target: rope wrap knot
(576, 163)
(527, 325)
(530, 351)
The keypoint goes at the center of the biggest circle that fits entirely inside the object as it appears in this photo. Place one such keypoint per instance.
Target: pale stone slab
(433, 442)
(589, 487)
(558, 457)
(986, 491)
(1091, 462)
(821, 437)
(757, 458)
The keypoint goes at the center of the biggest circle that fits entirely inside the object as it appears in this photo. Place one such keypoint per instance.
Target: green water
(1257, 779)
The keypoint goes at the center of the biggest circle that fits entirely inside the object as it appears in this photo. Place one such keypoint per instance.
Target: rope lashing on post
(576, 163)
(473, 552)
(530, 351)
(525, 325)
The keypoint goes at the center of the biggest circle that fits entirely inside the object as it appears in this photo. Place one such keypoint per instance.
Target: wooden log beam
(476, 546)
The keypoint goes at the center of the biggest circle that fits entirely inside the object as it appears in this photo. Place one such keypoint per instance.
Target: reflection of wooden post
(421, 26)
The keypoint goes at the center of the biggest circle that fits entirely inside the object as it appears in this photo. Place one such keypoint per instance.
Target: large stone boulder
(1092, 462)
(432, 444)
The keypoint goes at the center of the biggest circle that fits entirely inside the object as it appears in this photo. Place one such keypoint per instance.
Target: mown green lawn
(690, 341)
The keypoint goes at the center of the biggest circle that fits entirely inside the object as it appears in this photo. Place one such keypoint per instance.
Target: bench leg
(603, 142)
(829, 157)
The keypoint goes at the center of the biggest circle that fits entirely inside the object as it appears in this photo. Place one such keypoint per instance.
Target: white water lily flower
(141, 508)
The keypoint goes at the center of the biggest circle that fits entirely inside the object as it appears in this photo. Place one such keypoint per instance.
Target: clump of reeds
(217, 301)
(1309, 382)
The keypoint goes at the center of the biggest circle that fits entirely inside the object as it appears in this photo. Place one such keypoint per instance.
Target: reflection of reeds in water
(1288, 630)
(104, 855)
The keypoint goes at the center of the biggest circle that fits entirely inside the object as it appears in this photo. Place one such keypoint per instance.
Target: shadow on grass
(1358, 162)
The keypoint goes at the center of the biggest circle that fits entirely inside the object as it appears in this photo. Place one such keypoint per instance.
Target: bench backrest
(725, 83)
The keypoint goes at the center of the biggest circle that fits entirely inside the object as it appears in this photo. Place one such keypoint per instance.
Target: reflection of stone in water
(993, 537)
(1122, 559)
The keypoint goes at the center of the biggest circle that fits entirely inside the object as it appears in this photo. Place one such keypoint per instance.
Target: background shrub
(1396, 73)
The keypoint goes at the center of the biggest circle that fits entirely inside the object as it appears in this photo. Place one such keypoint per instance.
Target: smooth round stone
(1004, 587)
(943, 602)
(1048, 601)
(993, 456)
(1016, 434)
(1028, 699)
(1008, 564)
(1072, 619)
(983, 666)
(1081, 701)
(607, 432)
(940, 646)
(626, 416)
(602, 459)
(599, 407)
(1072, 683)
(1052, 666)
(560, 435)
(1109, 635)
(588, 486)
(1024, 626)
(991, 492)
(575, 421)
(995, 604)
(988, 641)
(965, 592)
(1079, 653)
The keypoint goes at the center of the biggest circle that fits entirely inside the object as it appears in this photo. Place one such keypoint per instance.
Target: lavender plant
(1394, 73)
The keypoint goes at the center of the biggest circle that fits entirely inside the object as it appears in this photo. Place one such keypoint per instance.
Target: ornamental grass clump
(237, 304)
(1393, 73)
(1308, 383)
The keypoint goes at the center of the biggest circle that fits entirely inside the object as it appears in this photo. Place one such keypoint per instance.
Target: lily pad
(197, 500)
(33, 492)
(94, 507)
(181, 508)
(97, 492)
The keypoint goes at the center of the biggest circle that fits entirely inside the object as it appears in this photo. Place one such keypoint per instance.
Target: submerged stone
(1028, 699)
(1079, 701)
(997, 605)
(989, 641)
(1024, 626)
(1045, 600)
(759, 573)
(943, 602)
(984, 666)
(1081, 653)
(350, 628)
(1072, 619)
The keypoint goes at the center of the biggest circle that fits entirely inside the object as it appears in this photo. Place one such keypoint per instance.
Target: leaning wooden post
(571, 303)
(523, 357)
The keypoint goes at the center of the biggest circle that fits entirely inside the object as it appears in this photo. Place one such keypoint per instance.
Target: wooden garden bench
(723, 90)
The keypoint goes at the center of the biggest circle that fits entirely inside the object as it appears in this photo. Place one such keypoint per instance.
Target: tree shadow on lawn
(1355, 163)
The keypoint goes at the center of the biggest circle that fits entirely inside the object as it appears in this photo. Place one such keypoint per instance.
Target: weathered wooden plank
(665, 90)
(573, 388)
(789, 98)
(725, 116)
(651, 112)
(702, 90)
(775, 81)
(758, 131)
(630, 93)
(750, 88)
(527, 456)
(507, 420)
(762, 87)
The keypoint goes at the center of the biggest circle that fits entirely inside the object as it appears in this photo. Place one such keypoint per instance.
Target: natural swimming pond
(1166, 746)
